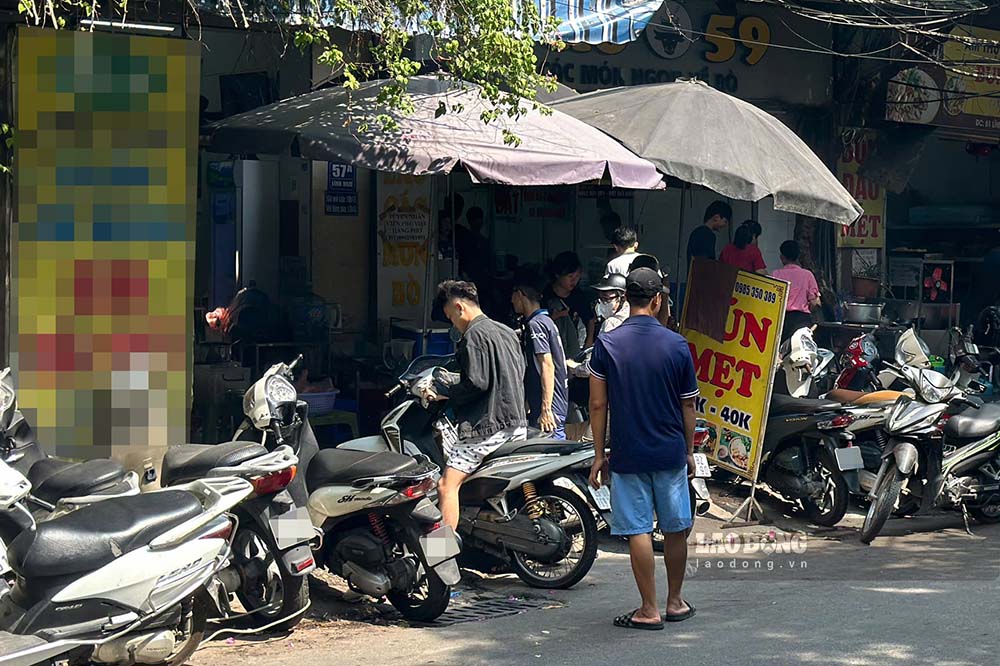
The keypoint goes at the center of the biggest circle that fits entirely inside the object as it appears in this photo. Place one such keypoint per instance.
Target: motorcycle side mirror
(454, 335)
(970, 400)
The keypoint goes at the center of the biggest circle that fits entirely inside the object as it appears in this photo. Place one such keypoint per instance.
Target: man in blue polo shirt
(545, 376)
(643, 373)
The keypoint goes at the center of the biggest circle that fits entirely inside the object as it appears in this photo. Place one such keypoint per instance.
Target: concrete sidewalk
(924, 594)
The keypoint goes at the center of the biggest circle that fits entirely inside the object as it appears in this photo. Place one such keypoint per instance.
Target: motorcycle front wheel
(988, 514)
(886, 496)
(829, 509)
(572, 513)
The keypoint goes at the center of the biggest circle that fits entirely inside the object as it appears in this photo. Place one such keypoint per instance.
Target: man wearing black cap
(643, 374)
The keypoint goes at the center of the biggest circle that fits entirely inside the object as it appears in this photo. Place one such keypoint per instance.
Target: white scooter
(379, 531)
(511, 508)
(802, 364)
(130, 580)
(272, 557)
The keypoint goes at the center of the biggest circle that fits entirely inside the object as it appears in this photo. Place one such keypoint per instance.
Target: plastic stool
(337, 417)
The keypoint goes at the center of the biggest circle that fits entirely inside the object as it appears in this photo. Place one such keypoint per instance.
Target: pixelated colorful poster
(103, 244)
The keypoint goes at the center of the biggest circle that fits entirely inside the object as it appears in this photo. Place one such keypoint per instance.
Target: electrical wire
(254, 630)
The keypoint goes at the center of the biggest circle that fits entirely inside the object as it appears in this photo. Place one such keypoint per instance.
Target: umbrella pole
(454, 223)
(429, 255)
(680, 242)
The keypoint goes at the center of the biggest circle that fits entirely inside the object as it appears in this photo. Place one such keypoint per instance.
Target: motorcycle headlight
(928, 391)
(279, 390)
(6, 397)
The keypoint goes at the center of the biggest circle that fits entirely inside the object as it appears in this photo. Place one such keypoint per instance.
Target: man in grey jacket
(487, 397)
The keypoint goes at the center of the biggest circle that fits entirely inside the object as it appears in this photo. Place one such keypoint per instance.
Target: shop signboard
(964, 95)
(404, 224)
(735, 375)
(869, 230)
(341, 196)
(744, 53)
(905, 271)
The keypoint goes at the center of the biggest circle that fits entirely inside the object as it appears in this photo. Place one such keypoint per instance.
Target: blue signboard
(341, 196)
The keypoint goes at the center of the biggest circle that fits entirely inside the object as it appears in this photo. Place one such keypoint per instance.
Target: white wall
(237, 52)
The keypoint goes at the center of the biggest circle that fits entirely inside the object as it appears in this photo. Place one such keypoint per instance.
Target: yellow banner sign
(964, 95)
(869, 230)
(404, 226)
(735, 375)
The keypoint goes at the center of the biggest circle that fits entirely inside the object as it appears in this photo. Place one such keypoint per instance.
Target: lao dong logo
(746, 544)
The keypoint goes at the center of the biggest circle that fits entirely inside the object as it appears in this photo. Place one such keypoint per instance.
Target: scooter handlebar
(393, 391)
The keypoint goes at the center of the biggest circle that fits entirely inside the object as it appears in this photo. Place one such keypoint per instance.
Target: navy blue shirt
(542, 337)
(649, 371)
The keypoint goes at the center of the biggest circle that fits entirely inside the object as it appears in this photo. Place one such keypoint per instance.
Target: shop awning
(327, 124)
(593, 21)
(703, 136)
(600, 21)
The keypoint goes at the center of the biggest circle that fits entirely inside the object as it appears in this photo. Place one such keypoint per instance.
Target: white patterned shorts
(468, 454)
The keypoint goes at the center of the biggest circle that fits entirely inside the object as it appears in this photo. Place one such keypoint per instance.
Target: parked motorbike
(57, 486)
(512, 510)
(957, 467)
(701, 499)
(864, 370)
(272, 557)
(127, 581)
(380, 533)
(803, 463)
(803, 366)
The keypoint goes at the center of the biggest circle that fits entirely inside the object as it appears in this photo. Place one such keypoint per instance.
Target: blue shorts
(636, 498)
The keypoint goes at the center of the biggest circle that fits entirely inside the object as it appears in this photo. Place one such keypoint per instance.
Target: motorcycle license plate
(702, 470)
(602, 497)
(291, 527)
(849, 458)
(440, 548)
(439, 545)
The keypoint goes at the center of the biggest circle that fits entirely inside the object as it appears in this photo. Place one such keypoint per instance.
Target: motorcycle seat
(536, 445)
(974, 423)
(53, 479)
(187, 462)
(344, 466)
(782, 405)
(96, 534)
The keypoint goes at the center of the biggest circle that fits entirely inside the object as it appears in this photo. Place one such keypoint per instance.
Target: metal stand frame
(751, 507)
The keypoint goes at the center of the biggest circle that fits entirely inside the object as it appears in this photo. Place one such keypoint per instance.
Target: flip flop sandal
(626, 622)
(682, 616)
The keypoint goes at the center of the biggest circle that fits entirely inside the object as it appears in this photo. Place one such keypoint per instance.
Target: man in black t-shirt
(701, 242)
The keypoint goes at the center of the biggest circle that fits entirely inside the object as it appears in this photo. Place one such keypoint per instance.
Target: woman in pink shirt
(803, 292)
(743, 251)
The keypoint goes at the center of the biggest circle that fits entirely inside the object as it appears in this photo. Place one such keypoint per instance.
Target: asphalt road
(925, 594)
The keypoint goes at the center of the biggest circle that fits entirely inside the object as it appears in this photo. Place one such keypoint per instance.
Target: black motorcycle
(802, 462)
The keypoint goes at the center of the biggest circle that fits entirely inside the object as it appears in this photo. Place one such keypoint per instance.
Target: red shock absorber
(379, 528)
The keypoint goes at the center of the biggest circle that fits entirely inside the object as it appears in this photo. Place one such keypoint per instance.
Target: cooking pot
(863, 313)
